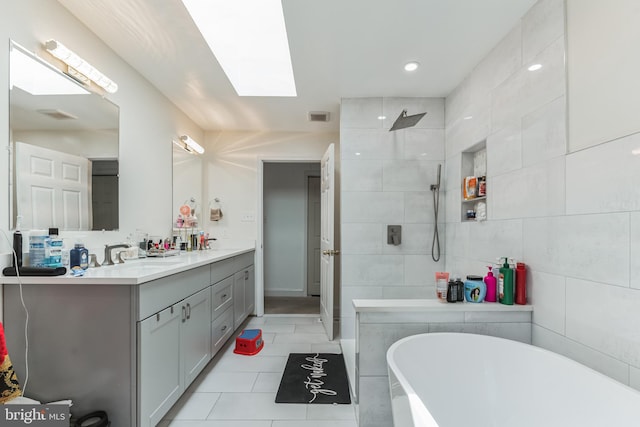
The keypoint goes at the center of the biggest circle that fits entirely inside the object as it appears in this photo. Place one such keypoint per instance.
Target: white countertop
(407, 305)
(135, 271)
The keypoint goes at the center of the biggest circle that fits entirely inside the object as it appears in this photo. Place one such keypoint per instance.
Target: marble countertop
(135, 271)
(407, 305)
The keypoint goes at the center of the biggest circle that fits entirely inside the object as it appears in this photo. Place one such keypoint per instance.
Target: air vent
(58, 114)
(318, 116)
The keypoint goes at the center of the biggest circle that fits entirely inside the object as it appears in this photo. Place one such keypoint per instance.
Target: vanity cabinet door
(195, 335)
(160, 382)
(239, 309)
(249, 290)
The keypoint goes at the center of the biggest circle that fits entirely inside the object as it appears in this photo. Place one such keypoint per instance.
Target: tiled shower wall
(386, 179)
(574, 219)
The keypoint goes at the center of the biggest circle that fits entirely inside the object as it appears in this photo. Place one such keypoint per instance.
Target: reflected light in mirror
(39, 79)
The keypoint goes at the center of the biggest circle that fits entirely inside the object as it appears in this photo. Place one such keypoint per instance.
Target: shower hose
(435, 244)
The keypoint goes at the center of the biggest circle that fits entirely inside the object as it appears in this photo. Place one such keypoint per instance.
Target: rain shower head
(403, 121)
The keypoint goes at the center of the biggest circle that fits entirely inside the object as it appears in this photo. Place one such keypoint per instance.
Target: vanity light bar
(190, 145)
(78, 65)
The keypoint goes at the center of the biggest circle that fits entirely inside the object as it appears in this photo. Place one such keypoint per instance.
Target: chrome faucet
(107, 253)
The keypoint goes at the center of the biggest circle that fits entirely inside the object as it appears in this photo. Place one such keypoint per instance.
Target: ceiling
(339, 49)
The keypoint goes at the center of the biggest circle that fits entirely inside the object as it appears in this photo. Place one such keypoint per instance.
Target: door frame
(307, 177)
(259, 261)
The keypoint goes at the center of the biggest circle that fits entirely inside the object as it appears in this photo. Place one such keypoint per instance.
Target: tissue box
(249, 342)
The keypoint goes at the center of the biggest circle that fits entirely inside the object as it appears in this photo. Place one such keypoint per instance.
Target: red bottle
(521, 283)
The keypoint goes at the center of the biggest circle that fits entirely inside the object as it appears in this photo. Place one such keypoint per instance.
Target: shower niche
(473, 180)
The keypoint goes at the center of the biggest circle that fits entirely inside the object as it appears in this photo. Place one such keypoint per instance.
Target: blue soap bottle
(79, 257)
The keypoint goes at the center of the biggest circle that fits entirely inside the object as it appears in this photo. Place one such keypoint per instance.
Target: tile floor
(239, 391)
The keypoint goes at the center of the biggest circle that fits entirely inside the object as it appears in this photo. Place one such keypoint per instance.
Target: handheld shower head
(436, 186)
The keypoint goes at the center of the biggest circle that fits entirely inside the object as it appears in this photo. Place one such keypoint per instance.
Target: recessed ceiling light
(249, 40)
(468, 117)
(382, 117)
(535, 67)
(636, 152)
(357, 154)
(411, 66)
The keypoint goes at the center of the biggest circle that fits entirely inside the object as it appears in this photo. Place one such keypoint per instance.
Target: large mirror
(187, 182)
(64, 149)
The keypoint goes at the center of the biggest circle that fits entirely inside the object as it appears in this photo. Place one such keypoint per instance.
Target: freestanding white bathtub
(467, 380)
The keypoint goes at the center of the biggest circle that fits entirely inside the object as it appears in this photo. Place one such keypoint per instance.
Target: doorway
(291, 251)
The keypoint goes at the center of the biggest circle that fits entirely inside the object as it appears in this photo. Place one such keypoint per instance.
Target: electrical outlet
(248, 217)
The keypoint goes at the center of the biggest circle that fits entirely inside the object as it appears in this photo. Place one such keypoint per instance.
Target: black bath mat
(314, 378)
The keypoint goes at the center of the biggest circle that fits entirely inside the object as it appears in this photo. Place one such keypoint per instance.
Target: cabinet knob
(184, 314)
(224, 296)
(224, 328)
(157, 316)
(188, 311)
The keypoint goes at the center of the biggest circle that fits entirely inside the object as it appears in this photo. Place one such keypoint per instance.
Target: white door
(313, 235)
(327, 191)
(52, 188)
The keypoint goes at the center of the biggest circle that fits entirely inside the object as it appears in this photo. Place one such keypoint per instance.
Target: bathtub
(467, 380)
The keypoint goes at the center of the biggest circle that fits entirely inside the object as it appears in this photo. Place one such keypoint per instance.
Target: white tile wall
(605, 318)
(581, 353)
(544, 133)
(388, 183)
(530, 192)
(573, 219)
(604, 178)
(547, 294)
(543, 24)
(634, 253)
(581, 246)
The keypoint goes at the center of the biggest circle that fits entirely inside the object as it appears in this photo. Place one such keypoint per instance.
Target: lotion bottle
(491, 283)
(505, 283)
(521, 285)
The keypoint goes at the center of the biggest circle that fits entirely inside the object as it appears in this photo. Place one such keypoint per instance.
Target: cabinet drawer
(244, 260)
(161, 293)
(222, 269)
(221, 330)
(221, 297)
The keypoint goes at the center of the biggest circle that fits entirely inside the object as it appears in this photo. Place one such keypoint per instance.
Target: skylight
(249, 40)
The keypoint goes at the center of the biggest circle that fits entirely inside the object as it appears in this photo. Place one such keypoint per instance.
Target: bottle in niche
(452, 291)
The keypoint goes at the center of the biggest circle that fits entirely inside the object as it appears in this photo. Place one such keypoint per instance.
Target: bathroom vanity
(380, 323)
(130, 338)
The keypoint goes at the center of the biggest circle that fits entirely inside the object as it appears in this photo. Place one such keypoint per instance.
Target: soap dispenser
(505, 283)
(490, 281)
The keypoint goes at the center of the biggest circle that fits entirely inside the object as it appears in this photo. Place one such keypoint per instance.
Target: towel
(9, 385)
(215, 214)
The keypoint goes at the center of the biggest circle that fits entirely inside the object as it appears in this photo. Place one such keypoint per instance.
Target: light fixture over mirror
(189, 145)
(78, 67)
(63, 140)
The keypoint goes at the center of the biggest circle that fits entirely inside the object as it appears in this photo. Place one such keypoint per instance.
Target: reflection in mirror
(64, 149)
(187, 182)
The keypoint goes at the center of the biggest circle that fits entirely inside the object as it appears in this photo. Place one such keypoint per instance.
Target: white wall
(574, 219)
(231, 174)
(148, 121)
(385, 180)
(285, 227)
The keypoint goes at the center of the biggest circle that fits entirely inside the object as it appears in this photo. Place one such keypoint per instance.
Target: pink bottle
(490, 281)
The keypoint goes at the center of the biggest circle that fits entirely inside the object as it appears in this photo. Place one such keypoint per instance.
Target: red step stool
(249, 342)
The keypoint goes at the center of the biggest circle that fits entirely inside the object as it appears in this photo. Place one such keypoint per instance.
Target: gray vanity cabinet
(174, 346)
(243, 295)
(161, 381)
(130, 348)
